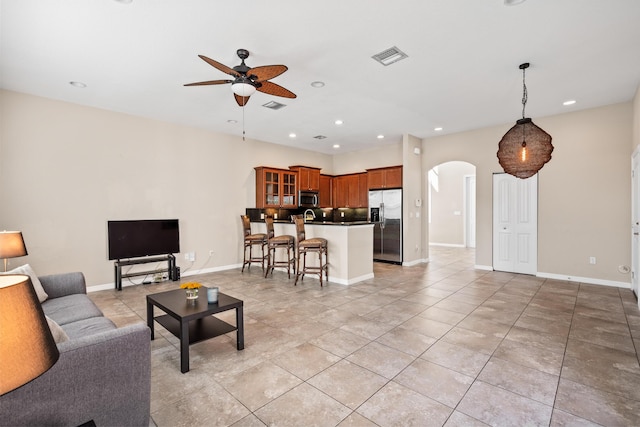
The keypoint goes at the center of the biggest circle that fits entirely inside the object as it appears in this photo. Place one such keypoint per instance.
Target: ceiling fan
(248, 80)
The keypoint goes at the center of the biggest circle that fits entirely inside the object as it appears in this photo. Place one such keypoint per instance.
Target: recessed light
(124, 1)
(339, 122)
(292, 135)
(380, 136)
(438, 129)
(513, 2)
(317, 84)
(78, 84)
(569, 102)
(336, 146)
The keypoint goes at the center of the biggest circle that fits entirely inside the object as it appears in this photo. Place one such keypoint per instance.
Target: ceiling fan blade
(241, 100)
(277, 90)
(267, 72)
(220, 66)
(209, 82)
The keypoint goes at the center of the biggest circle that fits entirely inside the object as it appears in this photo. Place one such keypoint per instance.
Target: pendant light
(525, 148)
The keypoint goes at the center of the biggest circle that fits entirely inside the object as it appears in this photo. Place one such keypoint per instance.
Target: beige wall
(584, 191)
(636, 120)
(446, 226)
(359, 161)
(412, 189)
(66, 169)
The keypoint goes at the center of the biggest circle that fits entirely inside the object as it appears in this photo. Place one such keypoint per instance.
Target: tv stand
(171, 268)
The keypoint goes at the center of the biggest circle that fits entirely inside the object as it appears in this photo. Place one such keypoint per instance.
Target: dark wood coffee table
(194, 322)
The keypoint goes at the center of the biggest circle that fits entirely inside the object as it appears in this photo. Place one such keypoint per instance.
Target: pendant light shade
(525, 148)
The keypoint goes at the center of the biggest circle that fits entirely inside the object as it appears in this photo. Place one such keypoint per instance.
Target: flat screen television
(140, 238)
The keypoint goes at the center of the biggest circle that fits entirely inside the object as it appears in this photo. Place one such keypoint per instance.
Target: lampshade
(27, 348)
(11, 245)
(525, 148)
(243, 89)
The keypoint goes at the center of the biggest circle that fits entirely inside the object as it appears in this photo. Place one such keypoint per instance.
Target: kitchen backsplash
(322, 214)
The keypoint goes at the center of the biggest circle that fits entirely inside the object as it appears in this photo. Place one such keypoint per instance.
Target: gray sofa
(103, 373)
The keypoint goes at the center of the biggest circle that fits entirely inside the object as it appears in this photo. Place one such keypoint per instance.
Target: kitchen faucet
(309, 213)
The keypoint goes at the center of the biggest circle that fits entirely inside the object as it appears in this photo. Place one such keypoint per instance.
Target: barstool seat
(317, 245)
(274, 242)
(250, 240)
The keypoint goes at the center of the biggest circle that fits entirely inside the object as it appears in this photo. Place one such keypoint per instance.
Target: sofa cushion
(59, 335)
(85, 327)
(70, 309)
(26, 269)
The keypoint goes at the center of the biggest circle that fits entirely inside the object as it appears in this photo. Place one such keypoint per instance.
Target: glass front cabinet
(275, 188)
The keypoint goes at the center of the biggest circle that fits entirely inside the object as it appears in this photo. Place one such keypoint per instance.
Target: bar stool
(274, 242)
(251, 240)
(317, 245)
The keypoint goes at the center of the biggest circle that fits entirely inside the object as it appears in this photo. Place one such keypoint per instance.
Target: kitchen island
(350, 247)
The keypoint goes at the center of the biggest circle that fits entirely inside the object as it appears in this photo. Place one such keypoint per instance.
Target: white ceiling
(462, 70)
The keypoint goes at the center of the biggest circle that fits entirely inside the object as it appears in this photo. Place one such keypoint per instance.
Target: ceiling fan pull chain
(243, 122)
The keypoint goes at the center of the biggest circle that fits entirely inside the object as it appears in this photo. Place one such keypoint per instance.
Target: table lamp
(11, 245)
(27, 348)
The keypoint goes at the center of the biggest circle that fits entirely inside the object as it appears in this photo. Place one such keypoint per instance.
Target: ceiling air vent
(319, 137)
(274, 105)
(389, 56)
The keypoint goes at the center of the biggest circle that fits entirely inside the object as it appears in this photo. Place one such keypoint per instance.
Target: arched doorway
(451, 193)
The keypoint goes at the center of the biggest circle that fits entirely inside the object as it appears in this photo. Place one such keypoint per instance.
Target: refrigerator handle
(382, 219)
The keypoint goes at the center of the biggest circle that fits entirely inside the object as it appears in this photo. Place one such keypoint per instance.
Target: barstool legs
(272, 263)
(322, 267)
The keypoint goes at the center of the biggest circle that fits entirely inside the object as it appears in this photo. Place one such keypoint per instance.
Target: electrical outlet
(211, 252)
(190, 256)
(592, 260)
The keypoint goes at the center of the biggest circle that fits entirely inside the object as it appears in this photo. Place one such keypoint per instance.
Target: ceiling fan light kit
(248, 80)
(525, 148)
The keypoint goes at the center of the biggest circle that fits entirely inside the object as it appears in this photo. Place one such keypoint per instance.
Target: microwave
(308, 199)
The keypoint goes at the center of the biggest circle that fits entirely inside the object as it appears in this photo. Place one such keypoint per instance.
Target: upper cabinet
(326, 191)
(390, 177)
(275, 188)
(308, 178)
(350, 191)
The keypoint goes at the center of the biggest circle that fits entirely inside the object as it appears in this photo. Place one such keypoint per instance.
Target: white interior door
(515, 224)
(635, 220)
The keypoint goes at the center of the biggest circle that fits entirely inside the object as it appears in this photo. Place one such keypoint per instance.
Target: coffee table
(194, 321)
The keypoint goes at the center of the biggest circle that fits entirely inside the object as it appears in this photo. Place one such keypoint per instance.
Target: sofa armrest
(104, 377)
(60, 285)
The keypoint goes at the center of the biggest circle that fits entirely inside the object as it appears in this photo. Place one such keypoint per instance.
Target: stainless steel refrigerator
(385, 211)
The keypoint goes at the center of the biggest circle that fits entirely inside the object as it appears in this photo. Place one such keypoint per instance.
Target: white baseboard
(448, 245)
(588, 280)
(415, 262)
(483, 267)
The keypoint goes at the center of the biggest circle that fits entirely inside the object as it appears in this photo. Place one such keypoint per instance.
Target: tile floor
(434, 344)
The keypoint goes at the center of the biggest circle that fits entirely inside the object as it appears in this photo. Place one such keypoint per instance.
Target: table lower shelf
(199, 329)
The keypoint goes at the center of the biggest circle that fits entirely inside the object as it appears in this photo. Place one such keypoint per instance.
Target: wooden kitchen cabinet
(350, 191)
(275, 188)
(381, 178)
(326, 191)
(308, 178)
